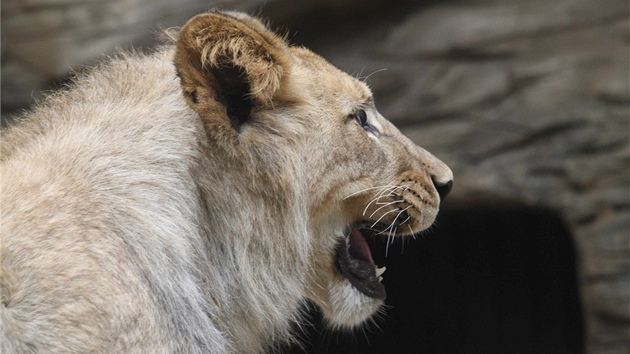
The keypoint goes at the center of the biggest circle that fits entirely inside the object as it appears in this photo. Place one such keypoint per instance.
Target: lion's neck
(254, 267)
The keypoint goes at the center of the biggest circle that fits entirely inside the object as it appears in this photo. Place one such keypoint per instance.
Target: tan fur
(137, 218)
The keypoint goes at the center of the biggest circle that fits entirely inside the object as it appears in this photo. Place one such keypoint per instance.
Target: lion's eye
(361, 117)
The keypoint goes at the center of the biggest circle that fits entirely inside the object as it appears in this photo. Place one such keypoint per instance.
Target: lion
(194, 199)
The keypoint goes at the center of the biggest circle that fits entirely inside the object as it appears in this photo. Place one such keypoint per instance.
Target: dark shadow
(484, 280)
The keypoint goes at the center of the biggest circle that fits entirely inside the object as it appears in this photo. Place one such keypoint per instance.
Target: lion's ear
(228, 65)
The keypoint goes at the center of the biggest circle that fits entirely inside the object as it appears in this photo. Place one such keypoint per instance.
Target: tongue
(359, 249)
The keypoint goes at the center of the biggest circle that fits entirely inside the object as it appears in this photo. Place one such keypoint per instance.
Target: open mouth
(355, 263)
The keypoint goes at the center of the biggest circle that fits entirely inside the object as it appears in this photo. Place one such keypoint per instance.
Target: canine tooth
(380, 271)
(380, 279)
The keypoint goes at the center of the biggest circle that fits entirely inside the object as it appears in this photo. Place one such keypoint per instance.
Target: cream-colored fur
(191, 200)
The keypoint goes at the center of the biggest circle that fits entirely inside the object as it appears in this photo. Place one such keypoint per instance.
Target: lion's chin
(349, 307)
(355, 293)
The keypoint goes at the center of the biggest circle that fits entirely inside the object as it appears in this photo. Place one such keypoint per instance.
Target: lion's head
(306, 136)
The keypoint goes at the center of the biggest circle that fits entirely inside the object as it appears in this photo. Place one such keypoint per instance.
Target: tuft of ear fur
(231, 63)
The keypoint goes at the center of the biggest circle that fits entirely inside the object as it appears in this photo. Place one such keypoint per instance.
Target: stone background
(528, 101)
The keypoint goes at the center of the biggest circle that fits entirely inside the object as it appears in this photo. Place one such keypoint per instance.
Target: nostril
(443, 188)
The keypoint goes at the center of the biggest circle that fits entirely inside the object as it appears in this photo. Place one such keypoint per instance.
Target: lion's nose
(440, 174)
(443, 188)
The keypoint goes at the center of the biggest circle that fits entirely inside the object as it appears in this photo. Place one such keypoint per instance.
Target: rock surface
(525, 100)
(42, 40)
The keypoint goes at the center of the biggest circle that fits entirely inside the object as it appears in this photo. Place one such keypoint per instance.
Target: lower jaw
(359, 273)
(346, 308)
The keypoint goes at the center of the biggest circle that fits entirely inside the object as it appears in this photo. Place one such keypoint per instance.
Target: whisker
(375, 199)
(386, 204)
(367, 189)
(382, 216)
(361, 72)
(391, 188)
(392, 225)
(384, 191)
(374, 72)
(397, 216)
(368, 205)
(390, 238)
(398, 187)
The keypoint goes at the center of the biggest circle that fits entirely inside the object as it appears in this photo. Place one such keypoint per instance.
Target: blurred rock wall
(42, 40)
(526, 100)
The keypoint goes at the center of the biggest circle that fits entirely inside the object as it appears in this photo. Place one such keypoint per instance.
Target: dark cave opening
(484, 280)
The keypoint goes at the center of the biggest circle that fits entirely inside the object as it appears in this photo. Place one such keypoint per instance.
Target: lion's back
(97, 185)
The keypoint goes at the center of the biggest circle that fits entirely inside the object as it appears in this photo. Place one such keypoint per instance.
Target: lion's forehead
(324, 79)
